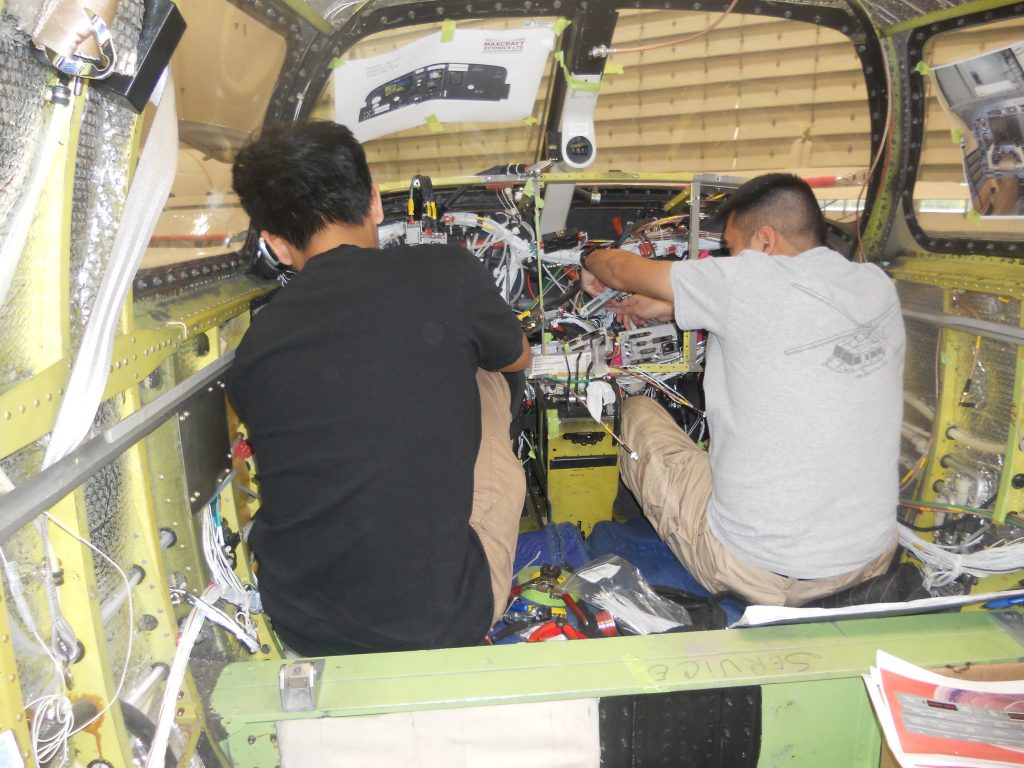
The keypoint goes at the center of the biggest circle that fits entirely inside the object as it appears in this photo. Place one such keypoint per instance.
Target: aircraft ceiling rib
(885, 13)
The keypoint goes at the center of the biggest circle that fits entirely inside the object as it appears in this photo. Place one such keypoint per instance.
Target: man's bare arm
(625, 271)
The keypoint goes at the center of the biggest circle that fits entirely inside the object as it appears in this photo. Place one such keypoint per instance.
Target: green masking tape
(570, 81)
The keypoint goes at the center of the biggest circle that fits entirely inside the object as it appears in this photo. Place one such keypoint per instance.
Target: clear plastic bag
(615, 585)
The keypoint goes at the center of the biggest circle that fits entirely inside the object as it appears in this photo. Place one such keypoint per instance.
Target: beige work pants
(672, 481)
(499, 486)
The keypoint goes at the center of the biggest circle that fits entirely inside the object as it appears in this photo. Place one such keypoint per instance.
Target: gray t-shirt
(803, 383)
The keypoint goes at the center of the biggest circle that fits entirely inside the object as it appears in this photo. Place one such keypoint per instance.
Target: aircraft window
(994, 141)
(224, 70)
(755, 94)
(448, 149)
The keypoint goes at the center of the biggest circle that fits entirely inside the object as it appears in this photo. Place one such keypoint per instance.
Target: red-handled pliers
(551, 629)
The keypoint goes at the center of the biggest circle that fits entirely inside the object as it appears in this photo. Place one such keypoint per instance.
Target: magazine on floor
(934, 721)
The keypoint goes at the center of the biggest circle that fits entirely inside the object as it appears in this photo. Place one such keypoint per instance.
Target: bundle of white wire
(52, 726)
(942, 566)
(175, 678)
(203, 608)
(509, 275)
(51, 714)
(221, 573)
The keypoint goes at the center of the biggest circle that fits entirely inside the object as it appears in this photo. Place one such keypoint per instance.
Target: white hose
(175, 678)
(919, 405)
(143, 205)
(977, 443)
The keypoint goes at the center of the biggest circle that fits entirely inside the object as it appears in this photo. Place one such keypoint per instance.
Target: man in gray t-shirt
(797, 497)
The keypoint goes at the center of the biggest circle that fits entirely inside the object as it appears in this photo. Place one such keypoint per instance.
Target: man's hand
(591, 285)
(635, 310)
(625, 271)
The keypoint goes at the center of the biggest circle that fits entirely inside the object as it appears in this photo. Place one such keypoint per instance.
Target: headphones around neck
(262, 260)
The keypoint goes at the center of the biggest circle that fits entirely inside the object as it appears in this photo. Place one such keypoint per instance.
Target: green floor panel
(355, 685)
(819, 723)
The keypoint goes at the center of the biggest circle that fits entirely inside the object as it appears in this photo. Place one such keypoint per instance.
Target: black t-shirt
(357, 382)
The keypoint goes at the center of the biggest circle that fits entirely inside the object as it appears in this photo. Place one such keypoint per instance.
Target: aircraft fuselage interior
(529, 135)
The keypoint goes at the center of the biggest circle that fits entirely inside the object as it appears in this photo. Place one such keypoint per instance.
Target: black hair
(296, 179)
(784, 201)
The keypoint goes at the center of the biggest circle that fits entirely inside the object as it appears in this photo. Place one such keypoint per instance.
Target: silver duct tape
(997, 366)
(101, 177)
(919, 368)
(987, 306)
(22, 124)
(100, 188)
(991, 396)
(920, 297)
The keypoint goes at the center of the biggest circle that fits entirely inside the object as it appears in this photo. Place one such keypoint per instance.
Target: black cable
(452, 198)
(206, 751)
(568, 375)
(144, 729)
(956, 521)
(931, 528)
(617, 422)
(562, 298)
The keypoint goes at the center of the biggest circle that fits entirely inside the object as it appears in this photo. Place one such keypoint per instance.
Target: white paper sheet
(477, 75)
(758, 615)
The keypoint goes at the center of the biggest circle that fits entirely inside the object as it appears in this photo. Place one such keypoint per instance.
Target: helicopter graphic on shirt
(861, 350)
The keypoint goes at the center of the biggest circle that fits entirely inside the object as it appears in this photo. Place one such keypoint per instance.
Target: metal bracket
(299, 682)
(77, 66)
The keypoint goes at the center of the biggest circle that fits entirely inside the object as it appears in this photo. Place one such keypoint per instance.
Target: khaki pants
(672, 481)
(499, 486)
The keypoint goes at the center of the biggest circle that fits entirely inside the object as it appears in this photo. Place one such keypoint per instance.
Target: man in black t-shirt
(379, 418)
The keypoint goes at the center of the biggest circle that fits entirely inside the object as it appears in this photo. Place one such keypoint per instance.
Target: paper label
(455, 75)
(10, 757)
